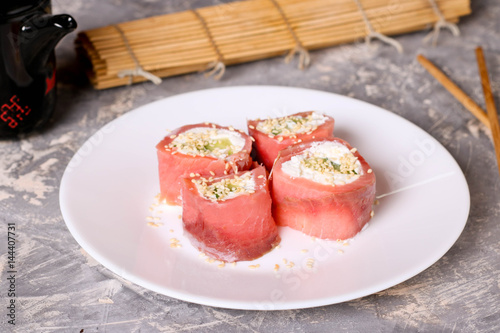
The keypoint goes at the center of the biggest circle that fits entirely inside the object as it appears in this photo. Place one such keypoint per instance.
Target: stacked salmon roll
(274, 134)
(229, 218)
(324, 188)
(200, 149)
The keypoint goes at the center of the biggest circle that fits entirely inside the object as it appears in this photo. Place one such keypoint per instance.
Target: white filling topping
(328, 163)
(290, 125)
(226, 188)
(206, 141)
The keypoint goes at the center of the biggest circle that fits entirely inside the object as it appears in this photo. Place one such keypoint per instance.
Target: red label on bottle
(12, 113)
(50, 82)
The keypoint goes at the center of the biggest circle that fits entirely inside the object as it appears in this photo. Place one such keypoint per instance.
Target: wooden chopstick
(490, 102)
(453, 89)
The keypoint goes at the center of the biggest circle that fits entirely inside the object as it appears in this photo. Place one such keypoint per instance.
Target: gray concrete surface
(59, 287)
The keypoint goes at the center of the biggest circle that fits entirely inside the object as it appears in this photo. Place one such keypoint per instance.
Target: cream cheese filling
(328, 163)
(227, 188)
(206, 141)
(291, 125)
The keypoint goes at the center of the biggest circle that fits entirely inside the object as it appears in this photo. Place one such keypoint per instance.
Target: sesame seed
(376, 202)
(171, 230)
(254, 266)
(290, 264)
(261, 176)
(340, 251)
(280, 138)
(179, 217)
(191, 175)
(221, 265)
(304, 251)
(276, 267)
(372, 213)
(212, 173)
(252, 138)
(369, 171)
(173, 136)
(233, 263)
(285, 261)
(353, 150)
(231, 128)
(251, 126)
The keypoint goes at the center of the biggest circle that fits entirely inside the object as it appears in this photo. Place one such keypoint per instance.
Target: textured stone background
(59, 286)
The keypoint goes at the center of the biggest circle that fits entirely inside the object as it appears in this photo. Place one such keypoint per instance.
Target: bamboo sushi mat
(237, 32)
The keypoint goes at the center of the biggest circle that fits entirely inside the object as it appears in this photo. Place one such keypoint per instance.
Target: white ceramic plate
(108, 188)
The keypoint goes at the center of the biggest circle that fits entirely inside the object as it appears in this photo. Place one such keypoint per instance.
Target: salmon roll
(199, 149)
(274, 134)
(229, 218)
(324, 188)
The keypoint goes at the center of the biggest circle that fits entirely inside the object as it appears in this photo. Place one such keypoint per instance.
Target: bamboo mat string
(441, 23)
(304, 57)
(374, 34)
(215, 68)
(138, 70)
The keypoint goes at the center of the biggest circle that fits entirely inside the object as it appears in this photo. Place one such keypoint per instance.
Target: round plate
(107, 200)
